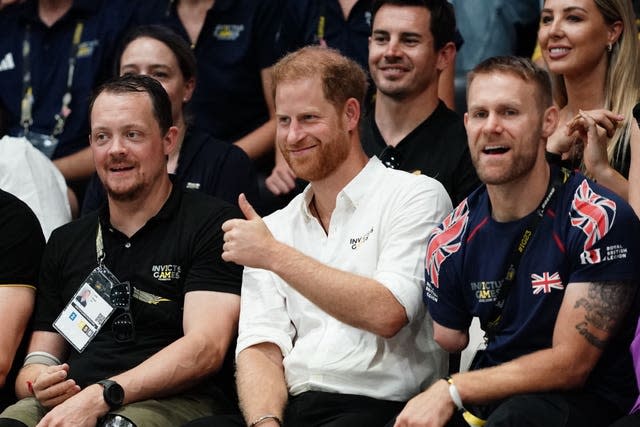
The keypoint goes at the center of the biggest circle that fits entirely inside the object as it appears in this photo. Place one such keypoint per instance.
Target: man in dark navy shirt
(52, 54)
(545, 258)
(153, 255)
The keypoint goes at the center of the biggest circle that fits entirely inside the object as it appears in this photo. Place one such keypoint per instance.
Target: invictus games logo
(486, 291)
(227, 31)
(356, 242)
(167, 272)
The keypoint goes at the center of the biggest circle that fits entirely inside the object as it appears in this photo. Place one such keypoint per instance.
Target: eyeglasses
(391, 157)
(122, 325)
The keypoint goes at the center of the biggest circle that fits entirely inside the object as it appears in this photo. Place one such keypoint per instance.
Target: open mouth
(120, 168)
(492, 150)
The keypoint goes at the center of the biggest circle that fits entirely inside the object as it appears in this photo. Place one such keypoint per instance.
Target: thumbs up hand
(248, 241)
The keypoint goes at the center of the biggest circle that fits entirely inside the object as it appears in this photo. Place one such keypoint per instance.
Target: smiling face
(574, 36)
(505, 124)
(148, 56)
(128, 147)
(311, 133)
(402, 57)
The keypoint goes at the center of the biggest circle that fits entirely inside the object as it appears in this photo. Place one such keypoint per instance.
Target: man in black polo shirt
(157, 250)
(410, 128)
(21, 246)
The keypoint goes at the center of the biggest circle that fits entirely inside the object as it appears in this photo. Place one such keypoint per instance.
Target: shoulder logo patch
(591, 213)
(445, 240)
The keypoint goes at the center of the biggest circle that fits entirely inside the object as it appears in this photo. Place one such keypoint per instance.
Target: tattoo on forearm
(604, 305)
(593, 340)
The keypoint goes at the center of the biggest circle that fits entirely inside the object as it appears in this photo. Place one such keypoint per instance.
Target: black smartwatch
(113, 393)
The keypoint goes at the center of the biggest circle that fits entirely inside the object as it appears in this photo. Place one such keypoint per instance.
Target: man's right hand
(52, 387)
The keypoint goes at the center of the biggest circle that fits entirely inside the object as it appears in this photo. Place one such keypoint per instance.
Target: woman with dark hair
(199, 162)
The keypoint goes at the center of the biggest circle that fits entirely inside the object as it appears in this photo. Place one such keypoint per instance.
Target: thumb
(246, 208)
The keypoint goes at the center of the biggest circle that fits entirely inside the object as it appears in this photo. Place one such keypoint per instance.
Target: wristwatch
(113, 393)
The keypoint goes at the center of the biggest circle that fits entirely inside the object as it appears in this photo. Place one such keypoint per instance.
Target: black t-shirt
(21, 247)
(436, 148)
(175, 252)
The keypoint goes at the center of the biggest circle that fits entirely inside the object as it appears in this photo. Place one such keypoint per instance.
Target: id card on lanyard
(92, 304)
(46, 143)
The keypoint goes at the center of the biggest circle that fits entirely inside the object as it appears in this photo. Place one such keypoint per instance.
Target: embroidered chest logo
(546, 282)
(356, 242)
(6, 63)
(445, 240)
(592, 213)
(85, 49)
(227, 32)
(166, 272)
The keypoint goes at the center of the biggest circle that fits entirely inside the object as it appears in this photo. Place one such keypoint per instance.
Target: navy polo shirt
(237, 41)
(350, 36)
(104, 23)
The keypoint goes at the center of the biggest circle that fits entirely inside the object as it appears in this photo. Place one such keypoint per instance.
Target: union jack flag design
(546, 282)
(592, 213)
(445, 240)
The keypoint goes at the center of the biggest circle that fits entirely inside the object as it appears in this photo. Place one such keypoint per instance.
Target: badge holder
(89, 308)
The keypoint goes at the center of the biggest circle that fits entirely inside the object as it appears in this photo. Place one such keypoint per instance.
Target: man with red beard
(332, 324)
(164, 306)
(545, 258)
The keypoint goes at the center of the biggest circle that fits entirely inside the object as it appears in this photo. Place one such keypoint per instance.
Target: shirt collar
(355, 191)
(167, 210)
(79, 9)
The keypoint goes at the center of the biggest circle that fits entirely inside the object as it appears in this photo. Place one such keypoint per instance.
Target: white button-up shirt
(378, 229)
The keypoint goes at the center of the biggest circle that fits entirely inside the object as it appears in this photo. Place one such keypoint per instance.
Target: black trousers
(320, 409)
(632, 420)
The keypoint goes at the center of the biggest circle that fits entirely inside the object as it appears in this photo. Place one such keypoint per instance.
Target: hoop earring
(609, 47)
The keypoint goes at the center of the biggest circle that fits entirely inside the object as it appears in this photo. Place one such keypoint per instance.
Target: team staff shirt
(587, 235)
(237, 41)
(104, 22)
(301, 27)
(205, 164)
(21, 247)
(378, 229)
(436, 148)
(175, 252)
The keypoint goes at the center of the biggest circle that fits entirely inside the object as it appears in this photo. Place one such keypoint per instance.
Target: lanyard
(26, 114)
(322, 20)
(495, 318)
(99, 246)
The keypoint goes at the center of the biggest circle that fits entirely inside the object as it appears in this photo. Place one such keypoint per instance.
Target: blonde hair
(622, 81)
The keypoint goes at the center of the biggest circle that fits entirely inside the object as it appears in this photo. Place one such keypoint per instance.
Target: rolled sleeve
(401, 264)
(263, 313)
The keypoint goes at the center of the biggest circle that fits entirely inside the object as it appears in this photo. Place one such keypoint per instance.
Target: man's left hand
(81, 410)
(247, 242)
(431, 408)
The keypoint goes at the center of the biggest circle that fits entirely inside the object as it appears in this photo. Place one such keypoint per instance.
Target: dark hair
(521, 67)
(131, 83)
(342, 78)
(443, 19)
(179, 46)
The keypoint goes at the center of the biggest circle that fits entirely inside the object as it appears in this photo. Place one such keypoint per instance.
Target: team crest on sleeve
(546, 282)
(445, 240)
(592, 213)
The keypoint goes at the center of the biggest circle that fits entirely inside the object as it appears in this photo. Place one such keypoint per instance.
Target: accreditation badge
(88, 310)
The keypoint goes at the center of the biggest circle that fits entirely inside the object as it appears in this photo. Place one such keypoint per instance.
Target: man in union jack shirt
(560, 354)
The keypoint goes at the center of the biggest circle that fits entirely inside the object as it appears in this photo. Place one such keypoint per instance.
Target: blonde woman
(591, 50)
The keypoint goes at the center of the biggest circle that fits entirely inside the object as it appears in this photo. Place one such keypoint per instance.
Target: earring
(609, 47)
